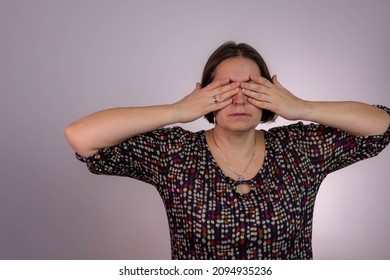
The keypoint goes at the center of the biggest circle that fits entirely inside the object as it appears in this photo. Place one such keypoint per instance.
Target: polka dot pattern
(207, 218)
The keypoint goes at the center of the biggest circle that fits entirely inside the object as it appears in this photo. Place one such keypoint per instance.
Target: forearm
(110, 127)
(353, 117)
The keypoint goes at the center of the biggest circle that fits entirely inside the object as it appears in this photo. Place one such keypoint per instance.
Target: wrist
(308, 109)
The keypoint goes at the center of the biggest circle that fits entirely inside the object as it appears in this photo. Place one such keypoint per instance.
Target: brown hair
(231, 49)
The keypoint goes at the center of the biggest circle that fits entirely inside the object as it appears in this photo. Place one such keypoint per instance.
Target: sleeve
(144, 157)
(329, 149)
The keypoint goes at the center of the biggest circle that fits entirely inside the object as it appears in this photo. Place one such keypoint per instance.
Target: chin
(240, 127)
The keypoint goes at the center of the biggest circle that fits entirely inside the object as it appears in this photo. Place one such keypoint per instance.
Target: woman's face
(239, 115)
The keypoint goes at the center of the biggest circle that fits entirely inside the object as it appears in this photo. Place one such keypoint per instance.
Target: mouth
(239, 114)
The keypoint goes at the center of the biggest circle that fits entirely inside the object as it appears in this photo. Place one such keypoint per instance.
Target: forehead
(236, 69)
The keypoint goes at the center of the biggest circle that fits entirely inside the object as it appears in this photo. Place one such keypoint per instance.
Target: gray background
(61, 60)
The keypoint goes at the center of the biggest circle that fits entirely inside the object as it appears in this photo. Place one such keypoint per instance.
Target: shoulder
(286, 132)
(170, 137)
(172, 133)
(300, 133)
(300, 130)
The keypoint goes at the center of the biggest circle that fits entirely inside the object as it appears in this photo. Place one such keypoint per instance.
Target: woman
(234, 192)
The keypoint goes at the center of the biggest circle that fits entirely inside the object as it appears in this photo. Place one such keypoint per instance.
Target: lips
(239, 114)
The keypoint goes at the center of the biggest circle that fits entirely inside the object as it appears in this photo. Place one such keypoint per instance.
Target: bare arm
(353, 117)
(356, 118)
(110, 127)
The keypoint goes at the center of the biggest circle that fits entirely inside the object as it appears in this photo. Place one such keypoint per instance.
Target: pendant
(240, 179)
(243, 188)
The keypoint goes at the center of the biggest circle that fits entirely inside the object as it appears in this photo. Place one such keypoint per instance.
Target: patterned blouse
(207, 218)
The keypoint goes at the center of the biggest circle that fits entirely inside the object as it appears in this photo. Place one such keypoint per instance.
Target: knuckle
(220, 90)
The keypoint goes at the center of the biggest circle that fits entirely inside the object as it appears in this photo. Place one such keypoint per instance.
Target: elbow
(71, 136)
(75, 140)
(384, 124)
(378, 124)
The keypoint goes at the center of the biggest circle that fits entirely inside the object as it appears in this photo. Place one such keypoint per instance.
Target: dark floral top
(207, 218)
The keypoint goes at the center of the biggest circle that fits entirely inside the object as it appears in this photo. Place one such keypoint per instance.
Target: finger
(260, 103)
(260, 96)
(217, 83)
(251, 86)
(222, 85)
(197, 88)
(275, 81)
(261, 80)
(226, 88)
(222, 104)
(226, 95)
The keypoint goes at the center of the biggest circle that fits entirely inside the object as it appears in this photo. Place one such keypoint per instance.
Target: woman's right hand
(201, 101)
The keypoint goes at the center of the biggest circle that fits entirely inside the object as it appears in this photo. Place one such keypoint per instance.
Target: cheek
(258, 114)
(261, 115)
(221, 115)
(218, 114)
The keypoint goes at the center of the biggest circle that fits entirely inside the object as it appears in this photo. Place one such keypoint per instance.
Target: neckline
(228, 178)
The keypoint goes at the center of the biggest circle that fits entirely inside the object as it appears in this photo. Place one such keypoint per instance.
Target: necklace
(240, 177)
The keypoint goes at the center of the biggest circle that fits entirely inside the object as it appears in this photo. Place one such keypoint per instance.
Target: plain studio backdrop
(63, 59)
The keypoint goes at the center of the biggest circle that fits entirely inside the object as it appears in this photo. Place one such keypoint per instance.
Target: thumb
(275, 80)
(197, 88)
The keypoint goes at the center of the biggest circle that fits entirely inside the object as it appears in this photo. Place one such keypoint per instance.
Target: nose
(239, 98)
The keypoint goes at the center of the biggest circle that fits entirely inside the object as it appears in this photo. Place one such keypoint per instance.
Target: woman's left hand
(274, 97)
